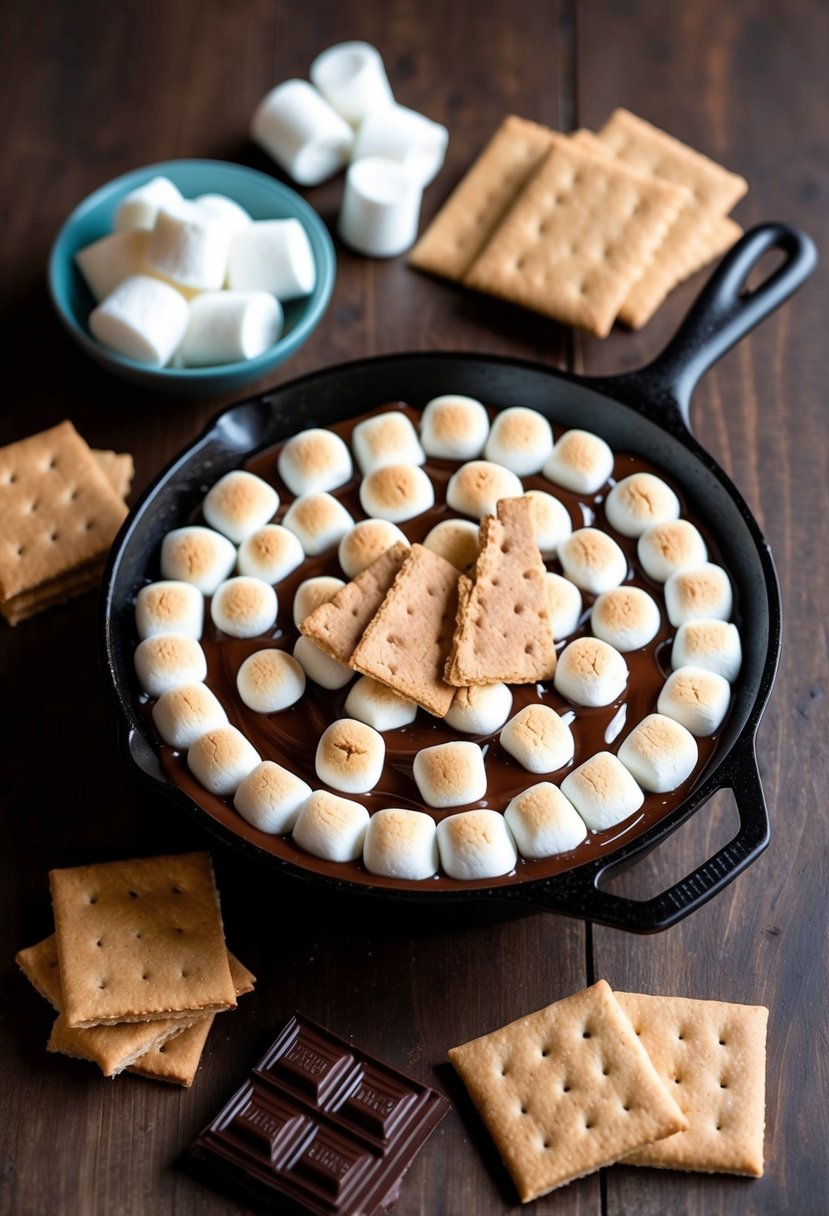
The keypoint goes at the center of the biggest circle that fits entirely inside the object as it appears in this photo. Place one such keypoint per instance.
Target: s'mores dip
(438, 646)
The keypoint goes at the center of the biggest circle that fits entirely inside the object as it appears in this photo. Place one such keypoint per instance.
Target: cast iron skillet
(644, 412)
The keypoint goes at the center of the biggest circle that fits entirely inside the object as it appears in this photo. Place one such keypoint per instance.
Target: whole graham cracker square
(338, 625)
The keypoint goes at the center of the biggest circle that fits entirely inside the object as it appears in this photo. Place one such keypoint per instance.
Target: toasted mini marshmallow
(626, 618)
(551, 521)
(401, 844)
(143, 319)
(313, 592)
(543, 822)
(221, 758)
(189, 248)
(638, 502)
(350, 756)
(184, 714)
(238, 504)
(319, 521)
(590, 672)
(580, 461)
(367, 541)
(564, 600)
(479, 709)
(602, 791)
(139, 208)
(538, 739)
(271, 797)
(456, 540)
(396, 492)
(476, 844)
(667, 548)
(386, 439)
(197, 555)
(314, 461)
(520, 440)
(331, 827)
(476, 487)
(243, 607)
(699, 593)
(592, 560)
(714, 645)
(450, 774)
(696, 698)
(270, 680)
(659, 753)
(169, 606)
(270, 553)
(169, 660)
(454, 428)
(378, 706)
(319, 666)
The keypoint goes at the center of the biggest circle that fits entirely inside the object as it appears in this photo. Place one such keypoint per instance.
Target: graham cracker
(712, 1056)
(566, 1090)
(55, 591)
(140, 940)
(406, 644)
(337, 625)
(503, 631)
(118, 468)
(478, 203)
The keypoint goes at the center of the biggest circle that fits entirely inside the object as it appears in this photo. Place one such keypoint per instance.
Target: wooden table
(92, 90)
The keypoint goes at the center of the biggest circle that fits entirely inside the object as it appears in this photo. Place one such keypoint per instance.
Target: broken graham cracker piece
(337, 625)
(503, 632)
(712, 1056)
(118, 468)
(566, 1090)
(140, 940)
(406, 644)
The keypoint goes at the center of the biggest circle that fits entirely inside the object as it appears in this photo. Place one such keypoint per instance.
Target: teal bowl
(260, 195)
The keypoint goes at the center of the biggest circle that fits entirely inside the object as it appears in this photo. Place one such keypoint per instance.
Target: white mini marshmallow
(551, 521)
(543, 822)
(143, 319)
(169, 606)
(385, 439)
(450, 774)
(638, 502)
(352, 79)
(221, 758)
(453, 427)
(539, 739)
(139, 208)
(476, 844)
(479, 709)
(169, 660)
(520, 440)
(626, 618)
(226, 210)
(313, 592)
(319, 666)
(455, 540)
(331, 827)
(314, 461)
(700, 592)
(667, 548)
(318, 521)
(271, 797)
(381, 207)
(367, 541)
(401, 844)
(476, 487)
(268, 681)
(602, 791)
(184, 714)
(350, 756)
(270, 553)
(302, 132)
(107, 262)
(197, 555)
(273, 256)
(580, 461)
(189, 248)
(229, 326)
(714, 645)
(696, 698)
(396, 492)
(659, 753)
(564, 600)
(239, 503)
(590, 672)
(378, 706)
(243, 607)
(401, 135)
(592, 560)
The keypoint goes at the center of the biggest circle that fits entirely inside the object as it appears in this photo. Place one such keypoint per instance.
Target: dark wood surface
(91, 90)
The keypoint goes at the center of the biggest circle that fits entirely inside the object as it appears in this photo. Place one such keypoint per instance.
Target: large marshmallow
(273, 256)
(225, 210)
(352, 79)
(714, 645)
(696, 698)
(590, 672)
(169, 606)
(385, 439)
(314, 461)
(520, 440)
(450, 774)
(378, 706)
(626, 618)
(350, 756)
(592, 560)
(238, 504)
(268, 681)
(700, 592)
(454, 428)
(270, 553)
(229, 326)
(270, 797)
(602, 791)
(455, 540)
(319, 522)
(396, 492)
(143, 319)
(221, 758)
(189, 248)
(396, 133)
(367, 541)
(380, 210)
(638, 502)
(169, 660)
(197, 555)
(564, 601)
(401, 844)
(580, 461)
(302, 132)
(313, 592)
(539, 739)
(319, 666)
(331, 827)
(476, 844)
(666, 548)
(244, 607)
(107, 262)
(551, 521)
(183, 715)
(659, 753)
(543, 822)
(479, 709)
(139, 208)
(478, 485)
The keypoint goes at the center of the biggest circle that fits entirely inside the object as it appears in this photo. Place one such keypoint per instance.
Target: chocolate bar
(321, 1127)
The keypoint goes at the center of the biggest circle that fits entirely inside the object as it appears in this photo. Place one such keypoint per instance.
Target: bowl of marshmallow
(192, 277)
